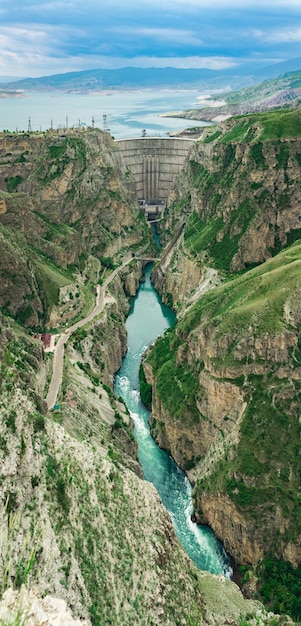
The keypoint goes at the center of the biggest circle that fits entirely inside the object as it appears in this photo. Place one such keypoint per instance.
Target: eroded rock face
(176, 278)
(232, 528)
(210, 447)
(64, 197)
(247, 194)
(30, 609)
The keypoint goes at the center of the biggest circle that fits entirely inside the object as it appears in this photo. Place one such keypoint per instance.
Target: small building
(46, 339)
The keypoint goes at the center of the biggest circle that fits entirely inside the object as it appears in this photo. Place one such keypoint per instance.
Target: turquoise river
(148, 319)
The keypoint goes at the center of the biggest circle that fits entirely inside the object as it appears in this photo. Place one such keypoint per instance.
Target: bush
(38, 423)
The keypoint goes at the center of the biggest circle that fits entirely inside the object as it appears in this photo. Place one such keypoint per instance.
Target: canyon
(79, 522)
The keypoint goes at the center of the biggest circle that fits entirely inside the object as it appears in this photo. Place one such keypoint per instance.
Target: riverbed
(148, 319)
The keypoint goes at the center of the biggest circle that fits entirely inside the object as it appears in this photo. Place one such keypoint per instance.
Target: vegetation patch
(50, 280)
(177, 384)
(279, 586)
(145, 389)
(256, 298)
(13, 182)
(276, 124)
(212, 137)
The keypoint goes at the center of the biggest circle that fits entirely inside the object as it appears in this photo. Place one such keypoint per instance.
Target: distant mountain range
(133, 78)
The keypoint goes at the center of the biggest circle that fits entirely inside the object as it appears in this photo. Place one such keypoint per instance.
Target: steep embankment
(226, 381)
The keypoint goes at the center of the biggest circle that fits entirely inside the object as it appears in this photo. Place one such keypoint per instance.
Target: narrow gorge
(79, 522)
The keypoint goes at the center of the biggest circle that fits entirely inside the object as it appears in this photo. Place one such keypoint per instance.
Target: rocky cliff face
(239, 192)
(225, 391)
(64, 197)
(226, 381)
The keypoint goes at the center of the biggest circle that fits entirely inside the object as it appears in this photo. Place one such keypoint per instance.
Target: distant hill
(132, 78)
(284, 91)
(278, 69)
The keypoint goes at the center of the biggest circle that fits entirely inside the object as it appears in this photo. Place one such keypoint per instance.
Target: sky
(43, 37)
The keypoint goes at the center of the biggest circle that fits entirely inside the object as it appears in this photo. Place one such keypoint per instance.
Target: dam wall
(154, 163)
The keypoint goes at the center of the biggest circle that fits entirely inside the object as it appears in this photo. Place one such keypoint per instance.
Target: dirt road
(58, 354)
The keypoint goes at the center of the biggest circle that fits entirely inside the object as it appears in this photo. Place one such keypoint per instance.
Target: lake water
(149, 318)
(128, 112)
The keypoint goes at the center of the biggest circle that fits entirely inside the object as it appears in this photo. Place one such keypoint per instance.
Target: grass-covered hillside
(265, 126)
(283, 91)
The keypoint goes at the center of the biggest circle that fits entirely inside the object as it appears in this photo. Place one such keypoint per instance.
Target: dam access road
(58, 352)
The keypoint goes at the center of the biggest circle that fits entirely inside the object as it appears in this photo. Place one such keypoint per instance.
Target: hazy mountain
(133, 77)
(278, 69)
(128, 77)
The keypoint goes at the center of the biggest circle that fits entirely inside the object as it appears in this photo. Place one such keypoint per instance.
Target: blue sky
(40, 37)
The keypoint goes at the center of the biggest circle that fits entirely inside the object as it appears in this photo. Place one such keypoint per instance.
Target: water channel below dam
(149, 318)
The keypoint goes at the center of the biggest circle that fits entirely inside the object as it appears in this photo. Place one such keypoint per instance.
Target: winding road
(58, 353)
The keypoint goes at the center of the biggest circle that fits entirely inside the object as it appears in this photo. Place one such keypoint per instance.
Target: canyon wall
(226, 381)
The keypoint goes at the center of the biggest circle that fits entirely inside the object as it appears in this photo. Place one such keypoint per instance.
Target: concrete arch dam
(154, 163)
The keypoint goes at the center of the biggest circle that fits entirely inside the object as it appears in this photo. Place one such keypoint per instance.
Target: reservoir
(127, 112)
(148, 319)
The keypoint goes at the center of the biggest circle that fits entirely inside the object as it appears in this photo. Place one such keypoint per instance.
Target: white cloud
(284, 35)
(161, 34)
(196, 62)
(289, 35)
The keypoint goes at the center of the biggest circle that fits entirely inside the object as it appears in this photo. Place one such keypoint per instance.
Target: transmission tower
(105, 124)
(92, 121)
(29, 125)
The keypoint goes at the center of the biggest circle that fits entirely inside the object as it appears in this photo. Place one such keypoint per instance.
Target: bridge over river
(154, 163)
